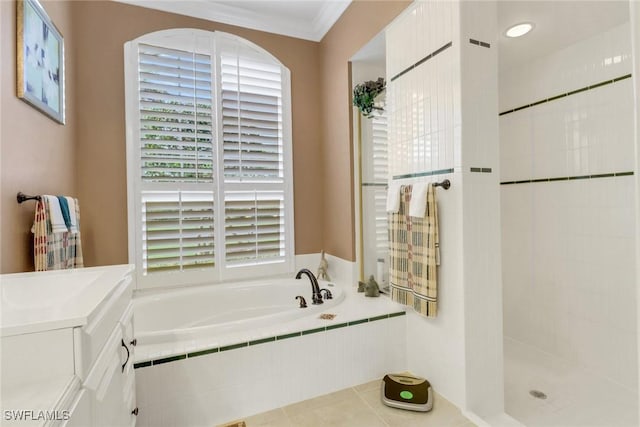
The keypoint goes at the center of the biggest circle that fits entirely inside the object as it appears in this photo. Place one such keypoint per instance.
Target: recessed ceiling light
(519, 30)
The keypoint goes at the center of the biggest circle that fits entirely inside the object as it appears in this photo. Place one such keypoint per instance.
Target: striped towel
(414, 255)
(55, 250)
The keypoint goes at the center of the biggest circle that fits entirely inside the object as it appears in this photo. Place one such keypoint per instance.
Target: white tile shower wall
(568, 246)
(635, 37)
(604, 56)
(216, 388)
(422, 103)
(424, 111)
(480, 201)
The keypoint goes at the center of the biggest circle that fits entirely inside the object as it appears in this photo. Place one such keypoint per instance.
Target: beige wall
(360, 22)
(87, 158)
(101, 160)
(37, 154)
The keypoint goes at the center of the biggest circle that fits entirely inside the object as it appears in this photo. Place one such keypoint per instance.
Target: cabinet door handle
(135, 411)
(128, 354)
(134, 342)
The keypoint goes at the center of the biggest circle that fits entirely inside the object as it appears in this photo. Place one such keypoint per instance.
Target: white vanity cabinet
(111, 381)
(85, 338)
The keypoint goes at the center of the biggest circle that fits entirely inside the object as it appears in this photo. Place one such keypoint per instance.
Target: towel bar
(21, 197)
(444, 184)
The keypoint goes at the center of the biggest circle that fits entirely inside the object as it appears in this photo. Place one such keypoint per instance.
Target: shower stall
(568, 214)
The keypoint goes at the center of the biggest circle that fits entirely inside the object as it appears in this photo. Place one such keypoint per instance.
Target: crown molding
(327, 15)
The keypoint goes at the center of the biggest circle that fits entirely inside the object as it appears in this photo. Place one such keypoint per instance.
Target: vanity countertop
(40, 301)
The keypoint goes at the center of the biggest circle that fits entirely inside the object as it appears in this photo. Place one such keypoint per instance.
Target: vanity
(67, 348)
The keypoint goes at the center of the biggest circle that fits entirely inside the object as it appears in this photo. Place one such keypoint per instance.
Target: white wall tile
(567, 245)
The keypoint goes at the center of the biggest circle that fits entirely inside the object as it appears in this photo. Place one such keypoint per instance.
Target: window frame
(206, 42)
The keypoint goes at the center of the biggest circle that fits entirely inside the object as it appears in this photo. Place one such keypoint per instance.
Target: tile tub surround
(260, 374)
(353, 310)
(358, 406)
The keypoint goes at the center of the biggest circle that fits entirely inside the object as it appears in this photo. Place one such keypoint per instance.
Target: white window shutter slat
(251, 119)
(177, 230)
(254, 227)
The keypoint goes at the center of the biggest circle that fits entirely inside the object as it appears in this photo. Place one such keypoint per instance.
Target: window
(375, 174)
(209, 158)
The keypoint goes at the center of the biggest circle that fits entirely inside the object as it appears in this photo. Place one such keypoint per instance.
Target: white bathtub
(211, 354)
(205, 312)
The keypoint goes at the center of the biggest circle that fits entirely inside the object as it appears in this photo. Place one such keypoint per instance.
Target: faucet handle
(303, 303)
(327, 294)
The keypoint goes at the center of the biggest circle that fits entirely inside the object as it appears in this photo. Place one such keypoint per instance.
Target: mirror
(371, 166)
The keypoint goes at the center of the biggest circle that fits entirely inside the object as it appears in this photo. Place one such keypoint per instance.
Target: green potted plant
(364, 95)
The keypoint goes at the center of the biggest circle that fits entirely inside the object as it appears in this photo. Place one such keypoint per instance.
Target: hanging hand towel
(73, 228)
(414, 255)
(55, 215)
(39, 230)
(418, 205)
(55, 250)
(393, 198)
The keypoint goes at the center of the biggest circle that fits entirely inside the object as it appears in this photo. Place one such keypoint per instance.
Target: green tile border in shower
(213, 350)
(426, 173)
(202, 353)
(569, 178)
(562, 95)
(480, 170)
(422, 61)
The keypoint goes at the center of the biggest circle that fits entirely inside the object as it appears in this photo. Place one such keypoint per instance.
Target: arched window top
(201, 41)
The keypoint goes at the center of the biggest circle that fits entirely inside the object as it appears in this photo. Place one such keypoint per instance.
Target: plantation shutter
(251, 117)
(253, 158)
(254, 227)
(380, 163)
(176, 153)
(178, 230)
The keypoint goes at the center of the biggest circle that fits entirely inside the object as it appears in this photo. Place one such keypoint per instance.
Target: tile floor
(355, 407)
(575, 397)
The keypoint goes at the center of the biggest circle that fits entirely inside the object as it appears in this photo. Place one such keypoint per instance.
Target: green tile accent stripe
(422, 61)
(202, 353)
(573, 92)
(427, 173)
(141, 365)
(339, 325)
(169, 359)
(313, 331)
(264, 340)
(284, 337)
(480, 170)
(373, 319)
(234, 346)
(479, 43)
(400, 313)
(568, 178)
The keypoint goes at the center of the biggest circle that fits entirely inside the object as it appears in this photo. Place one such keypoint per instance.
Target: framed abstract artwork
(40, 61)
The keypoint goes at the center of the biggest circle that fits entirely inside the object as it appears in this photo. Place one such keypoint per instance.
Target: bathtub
(207, 312)
(210, 354)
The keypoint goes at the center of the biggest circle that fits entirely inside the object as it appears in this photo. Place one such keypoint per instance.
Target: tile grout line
(371, 407)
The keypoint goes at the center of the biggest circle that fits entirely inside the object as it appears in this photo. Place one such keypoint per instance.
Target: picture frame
(40, 60)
